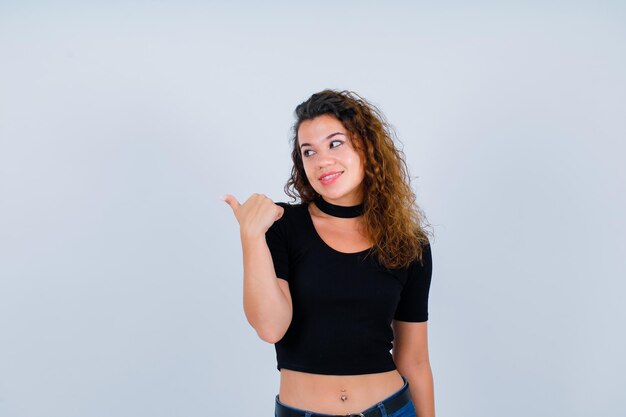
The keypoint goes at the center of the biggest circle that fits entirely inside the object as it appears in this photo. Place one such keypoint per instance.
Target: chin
(333, 196)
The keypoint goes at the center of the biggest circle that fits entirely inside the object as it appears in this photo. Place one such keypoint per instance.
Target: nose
(325, 159)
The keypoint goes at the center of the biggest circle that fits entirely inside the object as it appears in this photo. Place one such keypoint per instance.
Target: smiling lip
(330, 180)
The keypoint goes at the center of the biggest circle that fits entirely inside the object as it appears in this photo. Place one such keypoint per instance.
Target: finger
(279, 212)
(231, 201)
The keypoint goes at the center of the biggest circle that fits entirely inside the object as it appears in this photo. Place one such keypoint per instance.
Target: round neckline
(318, 237)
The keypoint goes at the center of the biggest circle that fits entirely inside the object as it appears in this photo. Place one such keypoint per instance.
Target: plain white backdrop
(123, 123)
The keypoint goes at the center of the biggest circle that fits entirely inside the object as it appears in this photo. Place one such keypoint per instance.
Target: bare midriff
(336, 394)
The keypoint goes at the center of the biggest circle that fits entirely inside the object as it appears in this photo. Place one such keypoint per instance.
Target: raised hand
(256, 215)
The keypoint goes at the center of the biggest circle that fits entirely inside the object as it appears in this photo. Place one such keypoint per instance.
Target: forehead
(316, 130)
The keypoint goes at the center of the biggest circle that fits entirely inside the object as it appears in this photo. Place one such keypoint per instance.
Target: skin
(326, 146)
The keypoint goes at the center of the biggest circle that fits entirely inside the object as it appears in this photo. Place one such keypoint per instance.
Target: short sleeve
(276, 238)
(413, 305)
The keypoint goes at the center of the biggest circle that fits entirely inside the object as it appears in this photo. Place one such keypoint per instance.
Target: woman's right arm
(266, 299)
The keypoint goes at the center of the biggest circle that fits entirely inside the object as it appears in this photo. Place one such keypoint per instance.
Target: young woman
(339, 279)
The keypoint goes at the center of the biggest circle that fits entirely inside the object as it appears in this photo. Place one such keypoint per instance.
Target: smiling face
(332, 165)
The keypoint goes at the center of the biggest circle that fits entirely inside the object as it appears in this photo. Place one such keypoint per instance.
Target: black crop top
(343, 303)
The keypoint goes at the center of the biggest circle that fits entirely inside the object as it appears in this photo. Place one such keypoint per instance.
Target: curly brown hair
(393, 221)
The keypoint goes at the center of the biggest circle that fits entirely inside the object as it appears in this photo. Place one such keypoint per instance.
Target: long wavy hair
(393, 221)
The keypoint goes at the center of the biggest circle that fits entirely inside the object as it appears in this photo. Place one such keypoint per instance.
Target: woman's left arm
(410, 354)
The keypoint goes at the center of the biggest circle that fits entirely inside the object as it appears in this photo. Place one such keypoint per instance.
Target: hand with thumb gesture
(256, 215)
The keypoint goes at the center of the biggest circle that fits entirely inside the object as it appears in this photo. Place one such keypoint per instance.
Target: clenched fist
(256, 215)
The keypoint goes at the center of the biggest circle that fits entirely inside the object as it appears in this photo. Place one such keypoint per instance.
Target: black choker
(346, 212)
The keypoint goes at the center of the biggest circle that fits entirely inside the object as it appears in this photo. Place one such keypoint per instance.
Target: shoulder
(426, 256)
(291, 209)
(290, 205)
(293, 214)
(424, 259)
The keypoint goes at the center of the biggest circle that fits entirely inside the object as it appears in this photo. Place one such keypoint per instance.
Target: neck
(335, 210)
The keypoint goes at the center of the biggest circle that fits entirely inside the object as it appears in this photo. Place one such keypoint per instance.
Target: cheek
(308, 169)
(357, 161)
(361, 168)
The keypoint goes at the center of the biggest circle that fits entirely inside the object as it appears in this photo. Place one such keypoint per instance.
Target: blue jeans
(407, 410)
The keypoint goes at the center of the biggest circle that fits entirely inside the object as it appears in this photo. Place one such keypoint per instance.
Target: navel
(344, 397)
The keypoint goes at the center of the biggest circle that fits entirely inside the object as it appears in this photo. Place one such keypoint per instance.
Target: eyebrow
(327, 137)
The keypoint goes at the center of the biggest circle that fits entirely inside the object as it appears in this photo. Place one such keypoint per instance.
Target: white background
(122, 124)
